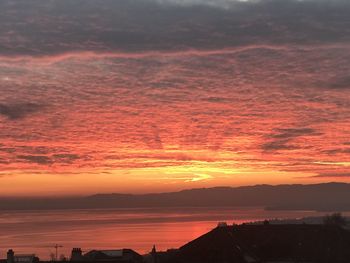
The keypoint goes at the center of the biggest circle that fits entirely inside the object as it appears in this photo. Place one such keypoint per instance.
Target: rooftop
(269, 243)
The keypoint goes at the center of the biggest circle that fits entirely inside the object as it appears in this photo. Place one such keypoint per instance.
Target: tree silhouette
(52, 256)
(335, 219)
(63, 257)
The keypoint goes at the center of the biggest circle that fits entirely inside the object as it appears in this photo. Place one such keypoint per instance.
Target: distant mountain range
(321, 197)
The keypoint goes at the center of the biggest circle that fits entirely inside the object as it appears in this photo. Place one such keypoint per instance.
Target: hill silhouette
(321, 197)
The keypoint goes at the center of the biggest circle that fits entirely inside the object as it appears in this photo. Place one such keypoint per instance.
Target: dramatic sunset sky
(161, 95)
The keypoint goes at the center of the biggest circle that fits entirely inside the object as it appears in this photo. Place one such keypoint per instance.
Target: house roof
(256, 243)
(113, 253)
(110, 254)
(24, 256)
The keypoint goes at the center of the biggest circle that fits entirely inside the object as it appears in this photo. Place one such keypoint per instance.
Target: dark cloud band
(53, 27)
(19, 110)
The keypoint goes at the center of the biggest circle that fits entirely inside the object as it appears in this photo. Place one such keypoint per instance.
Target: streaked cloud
(15, 111)
(207, 93)
(333, 175)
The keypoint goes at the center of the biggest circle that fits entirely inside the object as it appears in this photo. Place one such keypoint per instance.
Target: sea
(38, 232)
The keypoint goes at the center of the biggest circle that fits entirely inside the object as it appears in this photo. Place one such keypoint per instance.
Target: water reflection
(38, 231)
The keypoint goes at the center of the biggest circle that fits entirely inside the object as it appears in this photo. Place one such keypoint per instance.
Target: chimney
(10, 256)
(77, 254)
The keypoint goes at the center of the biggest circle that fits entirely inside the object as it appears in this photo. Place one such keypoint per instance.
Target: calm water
(38, 231)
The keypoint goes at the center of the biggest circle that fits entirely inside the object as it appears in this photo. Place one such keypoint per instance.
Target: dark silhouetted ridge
(322, 197)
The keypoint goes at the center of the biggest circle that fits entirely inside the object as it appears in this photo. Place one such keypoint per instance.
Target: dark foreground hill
(268, 243)
(322, 197)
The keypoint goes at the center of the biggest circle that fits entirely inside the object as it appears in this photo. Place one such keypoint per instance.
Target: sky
(138, 96)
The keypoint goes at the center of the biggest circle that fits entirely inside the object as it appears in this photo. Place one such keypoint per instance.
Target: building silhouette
(268, 243)
(19, 258)
(104, 256)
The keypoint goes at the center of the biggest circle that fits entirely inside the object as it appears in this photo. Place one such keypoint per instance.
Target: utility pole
(56, 247)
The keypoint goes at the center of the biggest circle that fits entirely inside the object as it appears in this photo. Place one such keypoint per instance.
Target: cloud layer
(166, 93)
(58, 26)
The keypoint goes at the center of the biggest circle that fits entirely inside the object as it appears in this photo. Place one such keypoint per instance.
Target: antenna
(56, 248)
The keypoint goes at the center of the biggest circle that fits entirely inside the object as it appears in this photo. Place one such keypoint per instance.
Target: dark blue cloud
(35, 27)
(16, 111)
